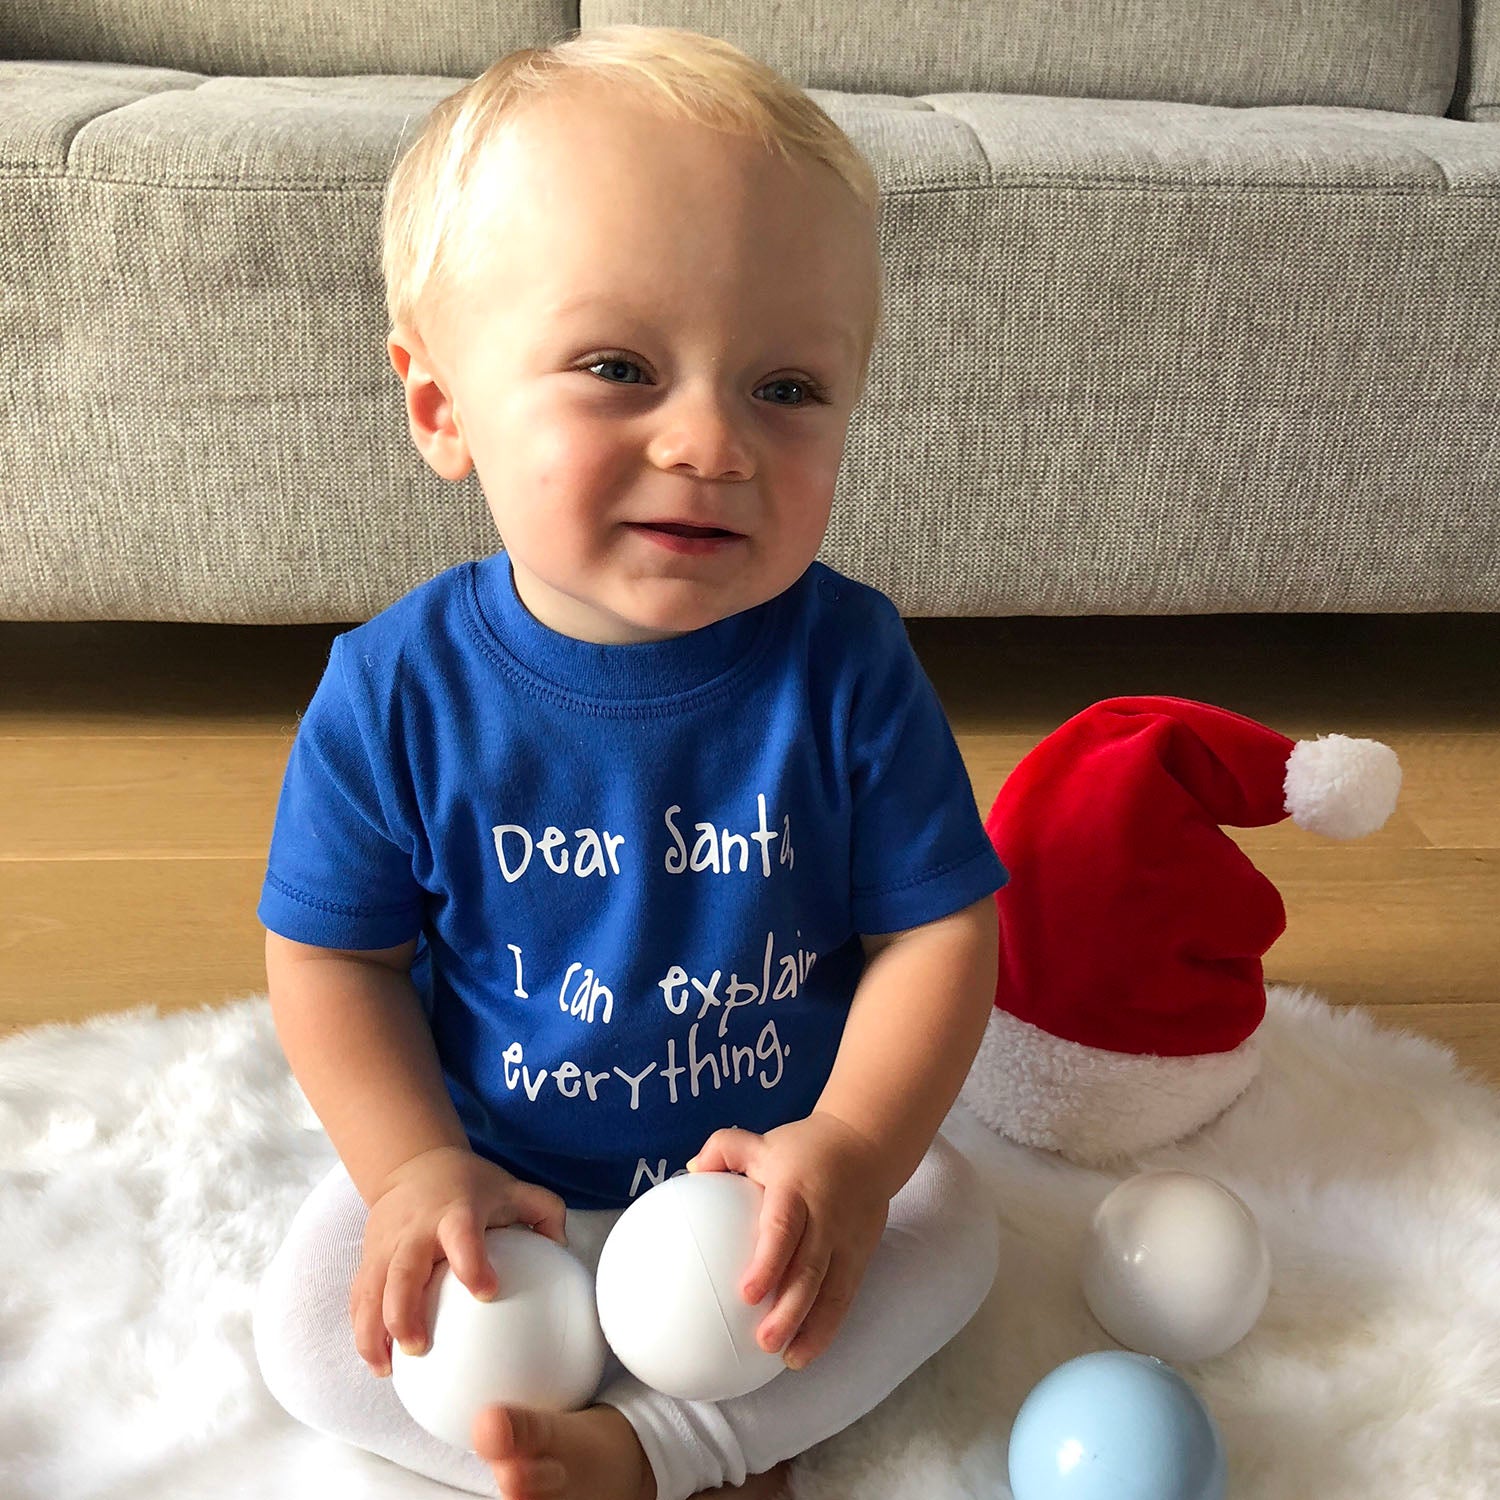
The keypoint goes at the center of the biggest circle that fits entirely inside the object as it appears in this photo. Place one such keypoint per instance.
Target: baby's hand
(436, 1206)
(819, 1225)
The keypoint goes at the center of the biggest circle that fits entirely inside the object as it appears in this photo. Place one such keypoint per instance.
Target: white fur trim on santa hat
(1341, 788)
(1094, 1106)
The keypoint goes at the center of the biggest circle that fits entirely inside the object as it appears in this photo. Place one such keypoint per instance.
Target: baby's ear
(407, 348)
(432, 417)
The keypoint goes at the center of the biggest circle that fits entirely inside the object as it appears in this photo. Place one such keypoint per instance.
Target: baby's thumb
(542, 1210)
(727, 1150)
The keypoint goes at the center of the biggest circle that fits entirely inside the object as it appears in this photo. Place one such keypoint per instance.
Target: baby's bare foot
(592, 1454)
(586, 1455)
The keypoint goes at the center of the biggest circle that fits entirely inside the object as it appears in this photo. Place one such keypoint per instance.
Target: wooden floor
(139, 767)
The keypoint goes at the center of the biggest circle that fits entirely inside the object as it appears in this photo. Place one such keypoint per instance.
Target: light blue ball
(1115, 1426)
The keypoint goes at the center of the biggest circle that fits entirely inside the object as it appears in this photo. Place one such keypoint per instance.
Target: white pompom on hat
(1341, 788)
(1132, 927)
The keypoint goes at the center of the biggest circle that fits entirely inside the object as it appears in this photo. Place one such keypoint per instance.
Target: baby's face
(672, 331)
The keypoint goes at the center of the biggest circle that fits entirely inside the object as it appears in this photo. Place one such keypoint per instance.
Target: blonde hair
(428, 243)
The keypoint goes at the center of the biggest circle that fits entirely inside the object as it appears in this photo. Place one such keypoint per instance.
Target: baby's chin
(665, 624)
(661, 608)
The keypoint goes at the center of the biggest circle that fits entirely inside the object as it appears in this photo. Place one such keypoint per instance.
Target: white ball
(537, 1344)
(668, 1287)
(1176, 1266)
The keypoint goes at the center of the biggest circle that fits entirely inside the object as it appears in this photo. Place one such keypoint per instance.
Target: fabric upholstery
(1141, 356)
(308, 37)
(1477, 96)
(1399, 55)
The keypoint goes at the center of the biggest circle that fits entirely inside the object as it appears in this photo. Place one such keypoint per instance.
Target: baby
(554, 819)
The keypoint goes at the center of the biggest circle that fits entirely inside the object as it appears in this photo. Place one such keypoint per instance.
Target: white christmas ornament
(1175, 1266)
(537, 1344)
(668, 1288)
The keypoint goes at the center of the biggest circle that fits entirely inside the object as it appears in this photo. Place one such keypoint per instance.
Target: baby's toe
(513, 1440)
(512, 1432)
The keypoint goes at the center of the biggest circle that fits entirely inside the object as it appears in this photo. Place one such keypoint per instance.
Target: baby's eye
(614, 364)
(812, 393)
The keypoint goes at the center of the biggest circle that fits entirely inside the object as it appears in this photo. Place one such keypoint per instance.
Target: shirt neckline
(592, 673)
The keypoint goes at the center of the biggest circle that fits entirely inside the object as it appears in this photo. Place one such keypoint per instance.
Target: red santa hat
(1132, 929)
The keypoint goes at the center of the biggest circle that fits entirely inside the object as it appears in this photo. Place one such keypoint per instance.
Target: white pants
(933, 1267)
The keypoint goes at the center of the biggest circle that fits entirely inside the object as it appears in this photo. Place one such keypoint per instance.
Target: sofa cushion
(1377, 54)
(1374, 54)
(272, 36)
(1478, 93)
(1139, 357)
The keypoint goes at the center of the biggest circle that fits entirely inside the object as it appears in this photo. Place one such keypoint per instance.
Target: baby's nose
(704, 435)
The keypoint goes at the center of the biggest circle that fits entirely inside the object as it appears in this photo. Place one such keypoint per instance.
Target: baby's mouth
(681, 528)
(687, 539)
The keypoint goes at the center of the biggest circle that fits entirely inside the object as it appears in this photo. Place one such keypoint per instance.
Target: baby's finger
(461, 1237)
(405, 1294)
(799, 1292)
(783, 1222)
(826, 1317)
(369, 1321)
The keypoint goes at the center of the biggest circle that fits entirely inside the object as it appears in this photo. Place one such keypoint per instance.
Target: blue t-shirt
(638, 874)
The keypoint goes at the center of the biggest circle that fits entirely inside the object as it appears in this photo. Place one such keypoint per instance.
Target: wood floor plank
(1470, 1032)
(1449, 795)
(83, 937)
(1306, 674)
(140, 796)
(1374, 926)
(71, 679)
(1310, 674)
(139, 766)
(103, 795)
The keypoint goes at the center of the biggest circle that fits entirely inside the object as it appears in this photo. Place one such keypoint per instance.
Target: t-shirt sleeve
(339, 871)
(920, 850)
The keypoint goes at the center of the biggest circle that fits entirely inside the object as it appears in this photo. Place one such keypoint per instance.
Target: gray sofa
(1193, 306)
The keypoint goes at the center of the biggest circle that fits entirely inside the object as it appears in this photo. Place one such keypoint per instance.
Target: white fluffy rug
(149, 1165)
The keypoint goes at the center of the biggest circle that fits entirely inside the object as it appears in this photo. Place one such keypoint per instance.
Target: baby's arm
(352, 1028)
(913, 1030)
